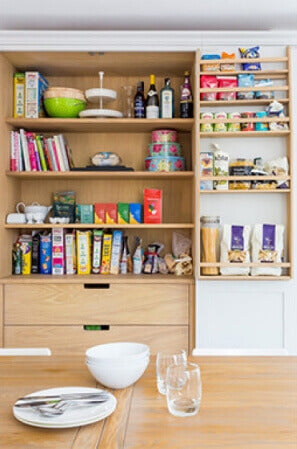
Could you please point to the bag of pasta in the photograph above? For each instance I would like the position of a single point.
(235, 248)
(267, 247)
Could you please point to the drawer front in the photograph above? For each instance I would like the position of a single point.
(75, 340)
(117, 304)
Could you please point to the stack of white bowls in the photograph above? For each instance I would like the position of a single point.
(118, 365)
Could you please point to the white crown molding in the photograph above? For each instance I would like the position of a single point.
(137, 40)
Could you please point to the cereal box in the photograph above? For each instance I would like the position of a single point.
(117, 237)
(58, 251)
(19, 95)
(46, 254)
(123, 213)
(70, 253)
(97, 247)
(36, 85)
(135, 213)
(111, 213)
(83, 244)
(106, 254)
(99, 213)
(152, 206)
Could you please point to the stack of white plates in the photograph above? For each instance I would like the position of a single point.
(74, 416)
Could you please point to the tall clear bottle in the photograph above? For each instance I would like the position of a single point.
(152, 101)
(167, 100)
(186, 98)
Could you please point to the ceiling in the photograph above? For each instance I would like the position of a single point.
(148, 15)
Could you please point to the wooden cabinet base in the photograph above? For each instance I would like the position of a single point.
(75, 340)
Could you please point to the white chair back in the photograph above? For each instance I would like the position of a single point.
(240, 352)
(25, 352)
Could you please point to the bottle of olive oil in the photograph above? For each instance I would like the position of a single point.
(152, 101)
(167, 100)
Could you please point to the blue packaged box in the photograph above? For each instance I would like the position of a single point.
(35, 87)
(135, 213)
(45, 254)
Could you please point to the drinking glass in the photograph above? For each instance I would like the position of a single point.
(162, 363)
(127, 101)
(184, 389)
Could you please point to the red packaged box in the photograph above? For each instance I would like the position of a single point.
(99, 213)
(111, 213)
(152, 207)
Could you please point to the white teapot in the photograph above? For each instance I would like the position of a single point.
(34, 212)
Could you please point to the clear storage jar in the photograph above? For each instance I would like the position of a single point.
(210, 242)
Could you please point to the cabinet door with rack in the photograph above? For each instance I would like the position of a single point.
(247, 199)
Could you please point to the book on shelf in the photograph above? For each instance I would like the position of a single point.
(33, 152)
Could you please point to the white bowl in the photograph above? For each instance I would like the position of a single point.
(118, 365)
(121, 351)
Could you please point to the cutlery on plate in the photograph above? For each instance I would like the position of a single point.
(66, 396)
(58, 401)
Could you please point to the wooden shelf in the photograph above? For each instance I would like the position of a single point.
(244, 61)
(96, 279)
(100, 175)
(258, 74)
(244, 278)
(245, 178)
(214, 134)
(107, 125)
(245, 191)
(272, 88)
(245, 120)
(245, 265)
(253, 102)
(101, 226)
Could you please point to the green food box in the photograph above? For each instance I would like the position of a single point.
(85, 213)
(123, 213)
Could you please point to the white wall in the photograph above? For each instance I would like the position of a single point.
(251, 314)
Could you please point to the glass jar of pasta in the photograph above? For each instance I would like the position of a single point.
(210, 241)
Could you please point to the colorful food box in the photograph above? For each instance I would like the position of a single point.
(58, 251)
(83, 244)
(111, 212)
(70, 253)
(84, 213)
(46, 254)
(135, 213)
(206, 169)
(117, 238)
(97, 247)
(19, 95)
(99, 213)
(123, 213)
(152, 206)
(106, 254)
(36, 85)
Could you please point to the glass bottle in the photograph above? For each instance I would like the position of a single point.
(167, 100)
(152, 101)
(186, 98)
(139, 101)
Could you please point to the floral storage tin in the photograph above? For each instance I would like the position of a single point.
(164, 164)
(164, 135)
(164, 149)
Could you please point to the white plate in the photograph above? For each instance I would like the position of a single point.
(100, 113)
(72, 417)
(107, 95)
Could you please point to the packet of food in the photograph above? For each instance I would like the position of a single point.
(227, 66)
(250, 53)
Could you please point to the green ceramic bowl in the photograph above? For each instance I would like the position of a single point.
(64, 107)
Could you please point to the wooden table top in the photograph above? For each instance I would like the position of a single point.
(247, 402)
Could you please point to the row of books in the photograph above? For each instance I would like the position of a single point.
(31, 152)
(28, 90)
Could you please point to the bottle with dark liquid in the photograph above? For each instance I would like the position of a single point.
(152, 101)
(139, 101)
(186, 98)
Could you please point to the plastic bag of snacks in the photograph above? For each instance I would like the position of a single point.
(261, 126)
(206, 127)
(233, 126)
(278, 167)
(267, 247)
(250, 53)
(220, 127)
(227, 81)
(248, 126)
(246, 80)
(211, 63)
(267, 94)
(227, 66)
(208, 81)
(220, 166)
(235, 248)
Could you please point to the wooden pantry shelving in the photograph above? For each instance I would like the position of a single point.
(278, 70)
(169, 298)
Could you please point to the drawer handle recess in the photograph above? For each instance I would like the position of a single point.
(96, 327)
(97, 286)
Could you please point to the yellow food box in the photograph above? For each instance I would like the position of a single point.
(19, 95)
(106, 254)
(83, 244)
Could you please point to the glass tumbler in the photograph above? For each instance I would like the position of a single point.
(163, 361)
(127, 101)
(184, 389)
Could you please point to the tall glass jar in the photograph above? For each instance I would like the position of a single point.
(210, 242)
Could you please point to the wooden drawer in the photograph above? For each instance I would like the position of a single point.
(75, 340)
(116, 304)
